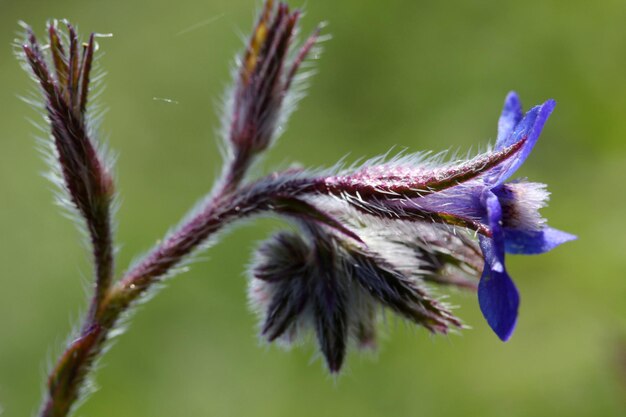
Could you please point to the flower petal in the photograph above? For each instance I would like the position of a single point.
(499, 300)
(493, 248)
(528, 129)
(533, 242)
(510, 117)
(497, 296)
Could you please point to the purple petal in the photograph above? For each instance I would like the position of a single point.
(528, 129)
(493, 249)
(499, 300)
(510, 117)
(497, 296)
(533, 242)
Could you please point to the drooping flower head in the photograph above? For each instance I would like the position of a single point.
(410, 223)
(475, 196)
(511, 213)
(320, 281)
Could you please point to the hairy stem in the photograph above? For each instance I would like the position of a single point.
(103, 253)
(231, 202)
(63, 72)
(69, 376)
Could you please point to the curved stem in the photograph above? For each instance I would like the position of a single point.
(67, 379)
(259, 95)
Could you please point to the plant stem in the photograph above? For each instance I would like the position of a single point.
(67, 380)
(231, 202)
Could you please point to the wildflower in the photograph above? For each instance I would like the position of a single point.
(511, 212)
(469, 195)
(373, 238)
(505, 215)
(379, 236)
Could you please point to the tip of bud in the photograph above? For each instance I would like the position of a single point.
(263, 80)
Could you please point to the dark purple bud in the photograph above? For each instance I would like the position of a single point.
(63, 71)
(281, 257)
(301, 279)
(84, 171)
(398, 292)
(264, 78)
(336, 287)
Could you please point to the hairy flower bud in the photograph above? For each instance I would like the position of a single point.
(79, 167)
(66, 90)
(336, 288)
(265, 75)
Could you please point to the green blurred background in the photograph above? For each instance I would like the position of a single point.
(414, 74)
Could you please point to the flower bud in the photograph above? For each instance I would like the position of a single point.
(264, 78)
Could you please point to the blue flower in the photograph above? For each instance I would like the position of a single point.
(472, 195)
(377, 237)
(511, 213)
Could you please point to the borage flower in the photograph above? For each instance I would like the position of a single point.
(412, 201)
(511, 212)
(506, 215)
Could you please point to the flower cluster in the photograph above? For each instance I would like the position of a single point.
(415, 223)
(472, 195)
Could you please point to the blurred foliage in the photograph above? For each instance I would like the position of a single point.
(414, 74)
